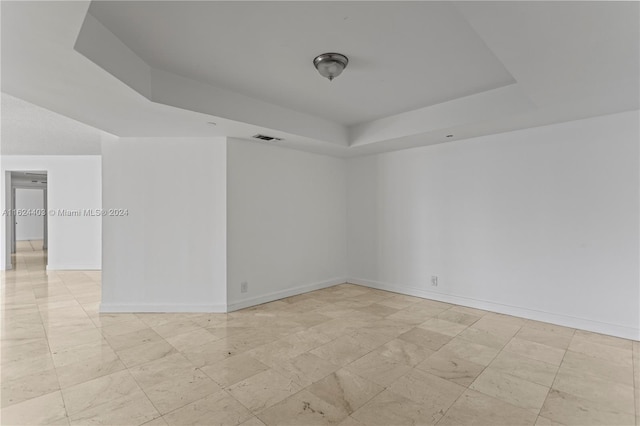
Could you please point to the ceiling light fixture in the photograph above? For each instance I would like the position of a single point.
(330, 65)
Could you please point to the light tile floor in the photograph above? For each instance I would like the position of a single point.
(344, 355)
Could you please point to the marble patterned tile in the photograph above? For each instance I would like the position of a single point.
(399, 301)
(404, 352)
(378, 368)
(460, 371)
(310, 319)
(172, 382)
(458, 316)
(460, 348)
(514, 390)
(505, 330)
(146, 352)
(350, 421)
(603, 339)
(506, 319)
(158, 421)
(88, 369)
(32, 349)
(442, 326)
(44, 410)
(131, 409)
(63, 341)
(569, 409)
(305, 369)
(303, 408)
(370, 338)
(191, 339)
(475, 408)
(425, 338)
(344, 325)
(219, 407)
(99, 348)
(22, 388)
(388, 408)
(543, 421)
(579, 364)
(172, 329)
(618, 396)
(378, 309)
(263, 390)
(312, 358)
(556, 337)
(469, 311)
(306, 340)
(345, 390)
(32, 365)
(388, 327)
(538, 351)
(253, 421)
(435, 394)
(234, 369)
(525, 368)
(103, 320)
(124, 327)
(288, 347)
(484, 337)
(341, 351)
(112, 399)
(595, 348)
(421, 311)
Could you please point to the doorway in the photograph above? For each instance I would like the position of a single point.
(28, 230)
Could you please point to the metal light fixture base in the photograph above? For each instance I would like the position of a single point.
(330, 65)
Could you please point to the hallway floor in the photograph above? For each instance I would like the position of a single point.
(345, 355)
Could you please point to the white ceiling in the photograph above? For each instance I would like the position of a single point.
(28, 129)
(403, 56)
(161, 68)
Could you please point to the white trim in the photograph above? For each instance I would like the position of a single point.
(617, 330)
(73, 268)
(160, 308)
(270, 297)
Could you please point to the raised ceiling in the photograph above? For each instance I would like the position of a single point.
(418, 72)
(402, 56)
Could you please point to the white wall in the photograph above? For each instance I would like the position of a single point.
(286, 222)
(73, 183)
(169, 253)
(29, 227)
(541, 223)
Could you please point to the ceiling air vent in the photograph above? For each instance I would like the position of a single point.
(266, 138)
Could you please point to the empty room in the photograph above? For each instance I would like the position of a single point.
(320, 212)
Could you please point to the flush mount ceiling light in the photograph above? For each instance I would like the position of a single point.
(330, 65)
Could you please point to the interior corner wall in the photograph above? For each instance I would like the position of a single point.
(167, 252)
(541, 223)
(286, 214)
(73, 184)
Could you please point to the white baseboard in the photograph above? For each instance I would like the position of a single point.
(564, 320)
(270, 297)
(73, 267)
(160, 308)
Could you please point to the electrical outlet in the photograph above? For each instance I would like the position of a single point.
(244, 287)
(434, 280)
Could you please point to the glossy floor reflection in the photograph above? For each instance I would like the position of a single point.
(344, 355)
